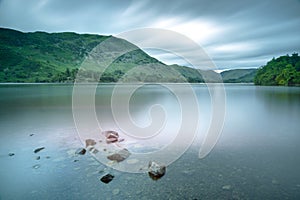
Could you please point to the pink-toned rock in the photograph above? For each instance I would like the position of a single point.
(111, 136)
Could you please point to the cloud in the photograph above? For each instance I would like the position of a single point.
(236, 34)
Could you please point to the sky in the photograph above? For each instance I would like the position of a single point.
(234, 33)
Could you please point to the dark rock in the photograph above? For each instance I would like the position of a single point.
(38, 149)
(90, 142)
(107, 178)
(11, 154)
(76, 160)
(38, 157)
(119, 156)
(156, 171)
(80, 151)
(111, 136)
(31, 134)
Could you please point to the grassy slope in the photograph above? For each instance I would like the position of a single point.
(55, 57)
(239, 75)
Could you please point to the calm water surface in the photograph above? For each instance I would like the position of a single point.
(257, 156)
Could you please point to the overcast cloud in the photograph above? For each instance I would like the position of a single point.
(234, 33)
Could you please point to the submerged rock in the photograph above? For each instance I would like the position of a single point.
(38, 149)
(93, 150)
(111, 136)
(115, 191)
(11, 154)
(119, 156)
(36, 166)
(80, 151)
(226, 187)
(38, 157)
(107, 178)
(90, 142)
(156, 171)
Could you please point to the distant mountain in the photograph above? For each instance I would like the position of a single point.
(284, 70)
(239, 75)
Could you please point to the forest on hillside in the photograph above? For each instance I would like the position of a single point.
(284, 70)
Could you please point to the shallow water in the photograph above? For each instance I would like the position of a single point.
(257, 156)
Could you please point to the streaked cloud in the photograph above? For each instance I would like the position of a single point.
(236, 34)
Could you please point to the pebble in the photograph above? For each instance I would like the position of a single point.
(38, 157)
(116, 191)
(11, 154)
(38, 149)
(36, 166)
(226, 187)
(132, 161)
(80, 151)
(107, 178)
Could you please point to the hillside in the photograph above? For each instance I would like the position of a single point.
(56, 57)
(239, 75)
(284, 70)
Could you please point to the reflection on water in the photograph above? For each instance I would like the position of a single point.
(257, 156)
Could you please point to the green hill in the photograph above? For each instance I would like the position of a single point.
(56, 57)
(284, 70)
(239, 75)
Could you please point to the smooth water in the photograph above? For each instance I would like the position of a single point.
(257, 156)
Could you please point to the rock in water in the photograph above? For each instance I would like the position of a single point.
(111, 136)
(107, 178)
(119, 156)
(226, 187)
(156, 171)
(80, 151)
(11, 154)
(90, 142)
(36, 166)
(38, 149)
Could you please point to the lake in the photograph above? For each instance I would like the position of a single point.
(256, 157)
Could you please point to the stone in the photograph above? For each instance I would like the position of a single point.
(80, 151)
(116, 191)
(93, 150)
(38, 149)
(132, 161)
(38, 157)
(226, 187)
(31, 134)
(76, 160)
(11, 154)
(111, 136)
(119, 156)
(156, 171)
(36, 166)
(107, 178)
(90, 142)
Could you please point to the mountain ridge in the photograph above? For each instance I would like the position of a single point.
(56, 57)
